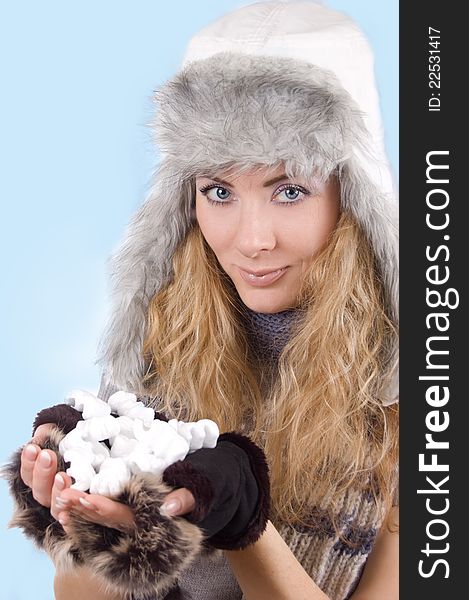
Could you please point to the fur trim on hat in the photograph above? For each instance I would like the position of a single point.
(240, 110)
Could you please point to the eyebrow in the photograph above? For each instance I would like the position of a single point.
(265, 184)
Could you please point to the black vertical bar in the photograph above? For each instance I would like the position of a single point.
(434, 257)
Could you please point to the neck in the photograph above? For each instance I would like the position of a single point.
(268, 333)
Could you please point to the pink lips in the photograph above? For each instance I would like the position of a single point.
(261, 278)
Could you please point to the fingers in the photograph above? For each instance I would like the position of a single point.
(61, 482)
(44, 471)
(107, 512)
(28, 460)
(98, 509)
(60, 509)
(178, 502)
(30, 452)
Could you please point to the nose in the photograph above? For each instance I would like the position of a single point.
(255, 232)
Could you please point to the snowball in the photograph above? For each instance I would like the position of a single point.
(112, 476)
(136, 442)
(95, 408)
(140, 411)
(120, 402)
(78, 399)
(143, 462)
(83, 473)
(212, 433)
(126, 426)
(74, 439)
(122, 446)
(101, 428)
(100, 453)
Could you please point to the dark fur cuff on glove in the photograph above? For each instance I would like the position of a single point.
(63, 415)
(142, 563)
(33, 518)
(66, 417)
(230, 485)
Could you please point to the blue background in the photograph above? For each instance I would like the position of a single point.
(75, 161)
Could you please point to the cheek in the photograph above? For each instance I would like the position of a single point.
(328, 214)
(213, 225)
(308, 233)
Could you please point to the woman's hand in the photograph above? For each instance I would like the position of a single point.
(39, 471)
(52, 490)
(94, 508)
(102, 510)
(177, 503)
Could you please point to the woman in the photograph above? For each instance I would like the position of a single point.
(257, 287)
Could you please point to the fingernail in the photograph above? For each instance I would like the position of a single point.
(168, 509)
(31, 452)
(59, 482)
(44, 459)
(85, 503)
(61, 503)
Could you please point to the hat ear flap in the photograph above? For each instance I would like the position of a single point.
(377, 216)
(140, 268)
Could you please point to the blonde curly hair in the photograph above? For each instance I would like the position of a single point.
(321, 422)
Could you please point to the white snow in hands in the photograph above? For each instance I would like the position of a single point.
(138, 442)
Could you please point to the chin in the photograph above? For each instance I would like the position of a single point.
(266, 305)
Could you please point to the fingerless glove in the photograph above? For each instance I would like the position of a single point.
(230, 485)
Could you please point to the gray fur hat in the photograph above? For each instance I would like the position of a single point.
(246, 104)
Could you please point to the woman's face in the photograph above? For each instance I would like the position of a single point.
(264, 229)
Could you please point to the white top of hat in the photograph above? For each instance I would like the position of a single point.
(315, 33)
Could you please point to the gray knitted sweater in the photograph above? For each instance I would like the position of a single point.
(334, 565)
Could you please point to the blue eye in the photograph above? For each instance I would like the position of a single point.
(290, 194)
(287, 194)
(215, 194)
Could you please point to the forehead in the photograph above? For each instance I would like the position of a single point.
(261, 175)
(235, 173)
